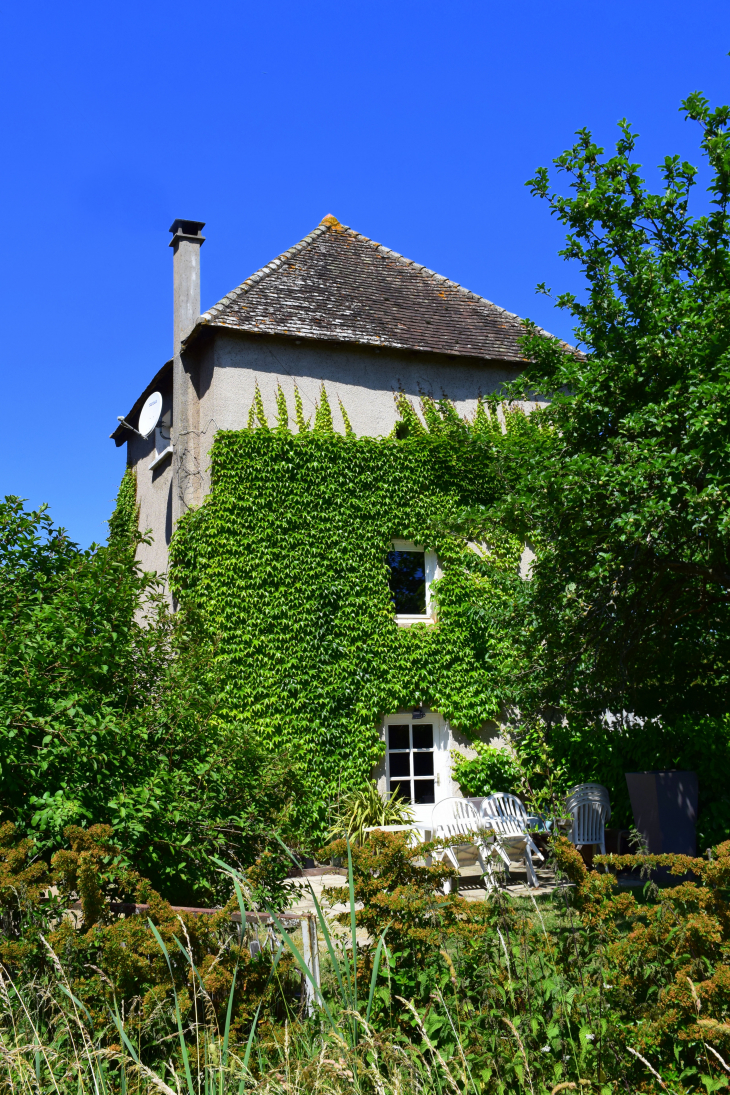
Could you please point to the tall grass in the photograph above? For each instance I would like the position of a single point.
(525, 1008)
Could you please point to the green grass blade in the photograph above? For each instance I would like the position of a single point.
(376, 967)
(353, 930)
(334, 958)
(249, 1042)
(183, 1047)
(227, 1028)
(303, 967)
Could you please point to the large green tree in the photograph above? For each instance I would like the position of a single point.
(623, 484)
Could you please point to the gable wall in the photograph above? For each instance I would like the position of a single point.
(154, 494)
(225, 369)
(364, 378)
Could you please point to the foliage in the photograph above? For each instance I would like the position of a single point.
(286, 563)
(124, 522)
(593, 989)
(668, 959)
(492, 769)
(107, 713)
(364, 807)
(603, 751)
(625, 491)
(111, 960)
(607, 972)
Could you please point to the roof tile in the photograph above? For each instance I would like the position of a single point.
(338, 285)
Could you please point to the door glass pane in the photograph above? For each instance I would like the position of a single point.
(422, 764)
(408, 582)
(400, 765)
(423, 790)
(423, 736)
(399, 737)
(403, 787)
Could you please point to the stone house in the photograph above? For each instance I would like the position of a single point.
(336, 310)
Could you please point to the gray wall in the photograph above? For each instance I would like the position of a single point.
(365, 379)
(154, 496)
(225, 369)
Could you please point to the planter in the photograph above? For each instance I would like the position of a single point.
(664, 805)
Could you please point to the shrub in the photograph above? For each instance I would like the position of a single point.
(492, 770)
(364, 807)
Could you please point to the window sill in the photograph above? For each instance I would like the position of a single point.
(160, 458)
(406, 621)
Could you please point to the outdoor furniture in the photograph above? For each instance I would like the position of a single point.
(597, 790)
(507, 816)
(453, 817)
(590, 808)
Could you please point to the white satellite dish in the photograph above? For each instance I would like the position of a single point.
(149, 416)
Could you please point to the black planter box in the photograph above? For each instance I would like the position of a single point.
(665, 810)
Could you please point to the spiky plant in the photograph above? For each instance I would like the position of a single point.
(365, 807)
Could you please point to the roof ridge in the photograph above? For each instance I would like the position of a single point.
(330, 223)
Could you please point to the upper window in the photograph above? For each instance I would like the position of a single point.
(412, 569)
(408, 582)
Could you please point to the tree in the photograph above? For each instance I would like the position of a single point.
(623, 481)
(109, 711)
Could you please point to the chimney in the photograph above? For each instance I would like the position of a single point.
(186, 243)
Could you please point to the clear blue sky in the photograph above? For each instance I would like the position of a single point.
(416, 123)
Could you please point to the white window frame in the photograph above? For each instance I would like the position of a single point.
(441, 759)
(433, 572)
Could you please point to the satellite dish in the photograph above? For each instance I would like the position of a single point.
(149, 416)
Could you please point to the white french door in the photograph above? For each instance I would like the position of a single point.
(417, 760)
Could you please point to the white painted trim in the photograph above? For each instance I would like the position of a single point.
(433, 573)
(406, 621)
(160, 457)
(441, 758)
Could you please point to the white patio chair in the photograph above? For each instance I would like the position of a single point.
(508, 817)
(593, 790)
(453, 817)
(590, 808)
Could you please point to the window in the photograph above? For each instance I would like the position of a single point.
(412, 569)
(408, 582)
(410, 761)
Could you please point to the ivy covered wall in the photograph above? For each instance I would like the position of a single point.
(286, 559)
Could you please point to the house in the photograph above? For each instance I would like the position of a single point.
(342, 313)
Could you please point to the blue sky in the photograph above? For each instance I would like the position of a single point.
(417, 123)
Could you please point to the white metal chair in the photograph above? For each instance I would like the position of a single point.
(589, 806)
(453, 817)
(508, 818)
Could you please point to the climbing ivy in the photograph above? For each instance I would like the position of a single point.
(123, 521)
(286, 561)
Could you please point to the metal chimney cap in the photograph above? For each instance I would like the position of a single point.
(189, 229)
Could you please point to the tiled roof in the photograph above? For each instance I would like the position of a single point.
(161, 379)
(340, 286)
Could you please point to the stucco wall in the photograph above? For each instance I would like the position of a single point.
(365, 379)
(225, 369)
(154, 496)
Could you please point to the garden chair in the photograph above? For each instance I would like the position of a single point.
(507, 817)
(453, 817)
(595, 790)
(589, 806)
